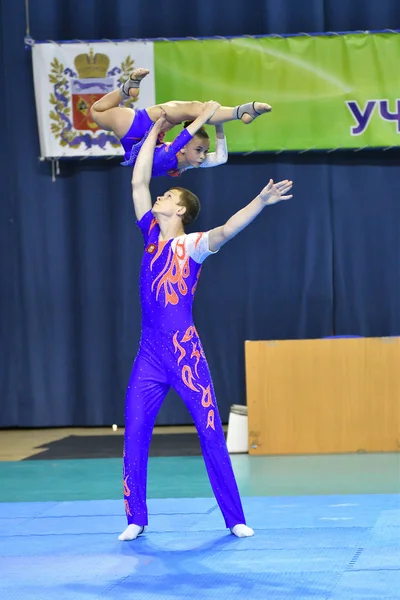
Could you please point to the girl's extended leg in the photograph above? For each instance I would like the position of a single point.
(107, 113)
(178, 111)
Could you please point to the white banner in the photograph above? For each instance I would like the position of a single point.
(69, 78)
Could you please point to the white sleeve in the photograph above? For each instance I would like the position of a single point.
(197, 246)
(219, 157)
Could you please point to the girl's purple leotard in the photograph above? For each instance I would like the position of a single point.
(165, 160)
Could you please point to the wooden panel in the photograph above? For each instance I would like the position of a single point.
(323, 396)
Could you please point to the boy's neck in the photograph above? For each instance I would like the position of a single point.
(170, 229)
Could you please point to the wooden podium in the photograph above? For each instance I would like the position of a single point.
(323, 396)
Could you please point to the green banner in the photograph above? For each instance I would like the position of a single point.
(326, 92)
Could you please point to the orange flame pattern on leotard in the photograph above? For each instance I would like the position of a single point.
(152, 225)
(206, 400)
(160, 248)
(187, 373)
(196, 282)
(177, 346)
(127, 509)
(187, 377)
(175, 271)
(189, 333)
(196, 354)
(210, 419)
(127, 491)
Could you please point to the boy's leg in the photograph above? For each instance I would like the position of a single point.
(193, 383)
(146, 391)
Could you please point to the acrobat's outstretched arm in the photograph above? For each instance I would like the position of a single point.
(271, 194)
(142, 171)
(220, 156)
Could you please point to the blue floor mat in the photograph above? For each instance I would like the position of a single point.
(316, 548)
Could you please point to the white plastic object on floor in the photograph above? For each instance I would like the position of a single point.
(237, 437)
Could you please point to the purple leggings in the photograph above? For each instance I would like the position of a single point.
(174, 359)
